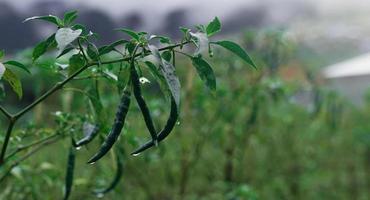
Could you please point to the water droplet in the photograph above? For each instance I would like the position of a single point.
(92, 163)
(136, 154)
(178, 123)
(78, 148)
(100, 195)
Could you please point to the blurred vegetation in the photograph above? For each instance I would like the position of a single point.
(253, 139)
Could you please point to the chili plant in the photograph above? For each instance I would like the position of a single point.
(78, 57)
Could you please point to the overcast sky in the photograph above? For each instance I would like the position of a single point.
(213, 7)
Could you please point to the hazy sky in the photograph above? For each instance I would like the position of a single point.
(213, 7)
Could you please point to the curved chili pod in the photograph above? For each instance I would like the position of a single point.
(117, 126)
(118, 176)
(88, 138)
(171, 122)
(141, 102)
(69, 173)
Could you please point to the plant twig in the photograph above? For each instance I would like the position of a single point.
(26, 156)
(5, 112)
(6, 141)
(27, 146)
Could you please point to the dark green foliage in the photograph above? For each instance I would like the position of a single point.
(92, 71)
(237, 50)
(205, 72)
(42, 47)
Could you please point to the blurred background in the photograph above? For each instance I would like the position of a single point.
(296, 128)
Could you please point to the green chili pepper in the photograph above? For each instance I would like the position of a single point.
(69, 174)
(141, 102)
(118, 176)
(171, 122)
(117, 126)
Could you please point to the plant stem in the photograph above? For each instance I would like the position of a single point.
(6, 141)
(27, 146)
(5, 112)
(35, 150)
(56, 87)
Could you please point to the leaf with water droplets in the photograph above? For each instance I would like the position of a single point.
(2, 70)
(65, 36)
(169, 73)
(202, 42)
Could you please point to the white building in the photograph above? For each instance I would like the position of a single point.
(351, 78)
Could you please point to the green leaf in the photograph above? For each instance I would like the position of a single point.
(167, 55)
(158, 76)
(201, 41)
(97, 106)
(65, 51)
(49, 18)
(201, 28)
(205, 72)
(236, 49)
(185, 30)
(162, 39)
(2, 70)
(17, 64)
(65, 36)
(168, 72)
(69, 17)
(213, 27)
(14, 82)
(75, 63)
(2, 53)
(42, 47)
(80, 27)
(106, 49)
(92, 52)
(131, 33)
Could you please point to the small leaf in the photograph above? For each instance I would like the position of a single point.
(42, 47)
(92, 52)
(162, 39)
(205, 72)
(131, 33)
(106, 49)
(202, 42)
(75, 63)
(237, 50)
(201, 28)
(97, 105)
(69, 17)
(14, 82)
(49, 18)
(65, 36)
(17, 64)
(65, 51)
(2, 70)
(167, 55)
(168, 71)
(80, 27)
(2, 53)
(213, 27)
(158, 76)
